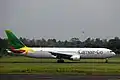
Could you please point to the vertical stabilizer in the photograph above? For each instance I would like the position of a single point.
(13, 40)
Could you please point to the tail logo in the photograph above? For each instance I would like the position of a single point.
(17, 45)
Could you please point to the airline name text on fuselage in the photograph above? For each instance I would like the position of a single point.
(90, 52)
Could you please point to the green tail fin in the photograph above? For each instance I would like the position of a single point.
(13, 40)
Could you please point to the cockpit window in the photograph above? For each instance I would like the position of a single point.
(111, 51)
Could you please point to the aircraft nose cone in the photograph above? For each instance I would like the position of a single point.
(113, 53)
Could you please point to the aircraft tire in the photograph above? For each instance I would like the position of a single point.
(106, 61)
(60, 61)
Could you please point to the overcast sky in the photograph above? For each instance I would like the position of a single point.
(61, 19)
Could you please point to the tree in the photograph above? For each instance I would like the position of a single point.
(75, 42)
(98, 43)
(51, 42)
(3, 47)
(88, 43)
(43, 43)
(114, 44)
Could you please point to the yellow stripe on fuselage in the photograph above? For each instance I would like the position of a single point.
(27, 49)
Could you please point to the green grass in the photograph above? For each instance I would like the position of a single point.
(24, 65)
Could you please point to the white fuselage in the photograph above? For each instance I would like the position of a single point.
(97, 53)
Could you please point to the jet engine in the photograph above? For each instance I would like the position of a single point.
(75, 57)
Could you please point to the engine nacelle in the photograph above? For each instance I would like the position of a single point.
(75, 57)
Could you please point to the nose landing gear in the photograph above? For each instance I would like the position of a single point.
(106, 60)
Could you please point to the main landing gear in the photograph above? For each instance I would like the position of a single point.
(60, 61)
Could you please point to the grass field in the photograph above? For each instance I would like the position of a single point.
(24, 65)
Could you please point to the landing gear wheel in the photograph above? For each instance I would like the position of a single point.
(60, 61)
(106, 60)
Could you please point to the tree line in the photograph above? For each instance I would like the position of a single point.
(113, 44)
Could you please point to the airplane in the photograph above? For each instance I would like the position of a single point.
(18, 47)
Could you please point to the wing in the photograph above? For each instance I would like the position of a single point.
(62, 55)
